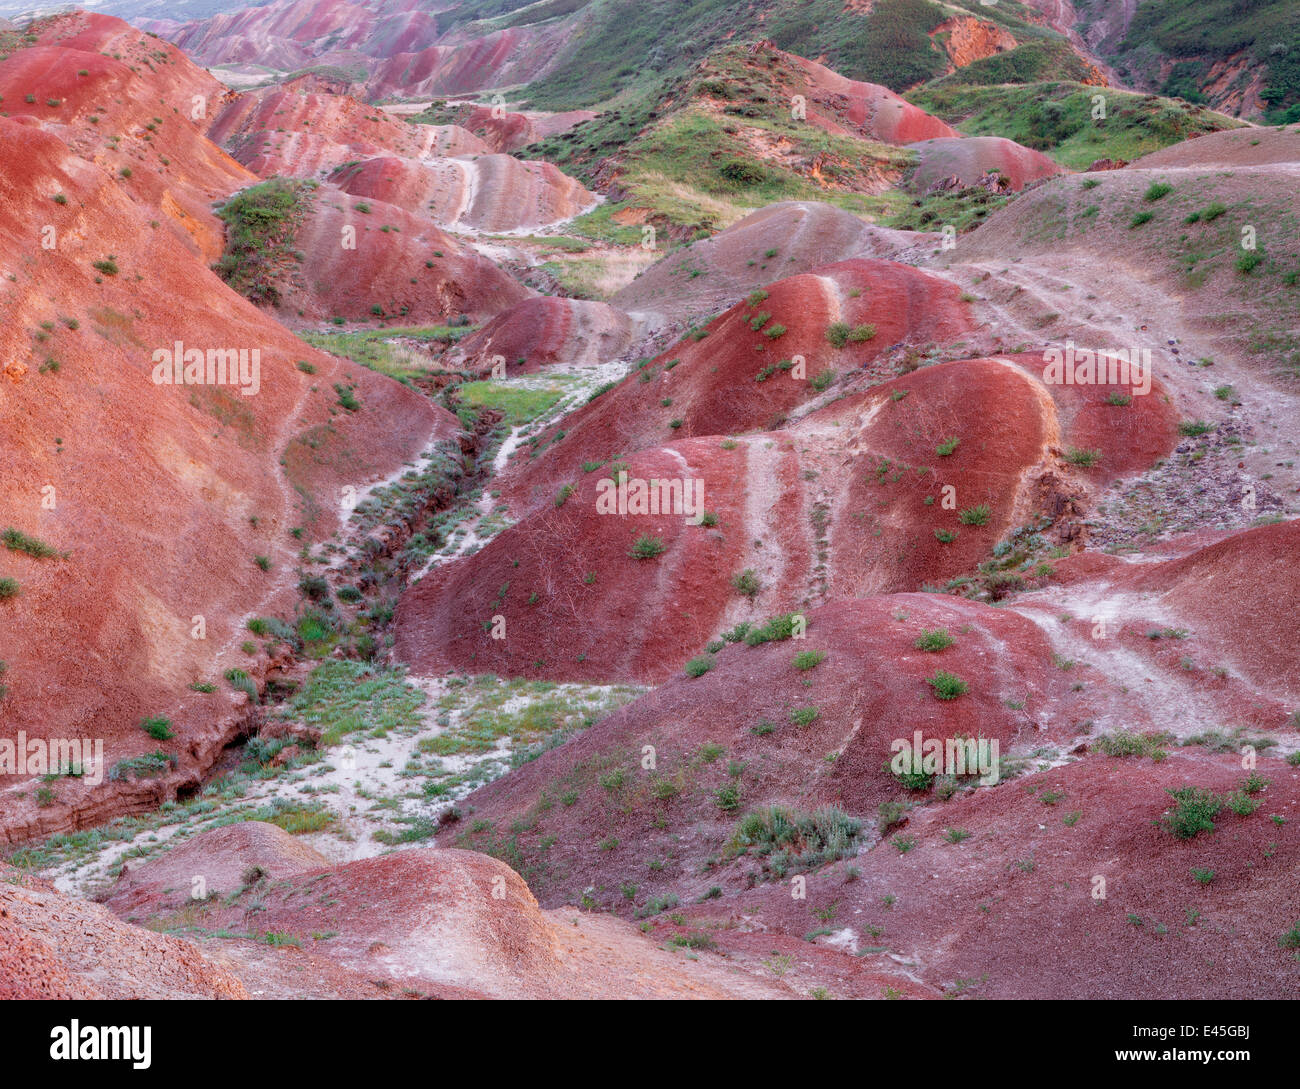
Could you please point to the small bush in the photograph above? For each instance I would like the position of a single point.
(646, 547)
(1193, 812)
(697, 667)
(975, 516)
(1156, 191)
(160, 729)
(808, 659)
(746, 582)
(1085, 459)
(1140, 218)
(947, 686)
(934, 640)
(947, 447)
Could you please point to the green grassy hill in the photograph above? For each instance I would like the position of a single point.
(1056, 118)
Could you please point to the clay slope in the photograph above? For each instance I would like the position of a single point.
(863, 496)
(53, 946)
(141, 116)
(507, 131)
(430, 170)
(282, 130)
(851, 107)
(399, 262)
(399, 45)
(805, 234)
(1013, 909)
(869, 688)
(953, 881)
(956, 163)
(496, 193)
(545, 332)
(452, 924)
(156, 499)
(728, 376)
(1231, 149)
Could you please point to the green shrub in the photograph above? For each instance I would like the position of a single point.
(160, 729)
(17, 541)
(947, 686)
(8, 588)
(947, 447)
(775, 629)
(746, 582)
(1193, 812)
(697, 667)
(975, 516)
(934, 640)
(646, 547)
(804, 716)
(1157, 190)
(807, 659)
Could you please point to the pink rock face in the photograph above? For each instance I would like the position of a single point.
(970, 158)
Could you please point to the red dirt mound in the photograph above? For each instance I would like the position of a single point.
(505, 131)
(737, 730)
(1261, 146)
(544, 332)
(1234, 592)
(131, 117)
(224, 860)
(731, 380)
(910, 483)
(445, 923)
(53, 946)
(400, 262)
(304, 135)
(805, 234)
(1017, 907)
(849, 106)
(486, 192)
(957, 163)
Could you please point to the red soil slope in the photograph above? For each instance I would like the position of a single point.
(392, 39)
(848, 501)
(484, 192)
(503, 130)
(429, 170)
(452, 924)
(869, 690)
(805, 234)
(278, 131)
(160, 495)
(54, 946)
(712, 382)
(968, 159)
(1013, 910)
(1230, 149)
(400, 262)
(849, 106)
(543, 332)
(142, 127)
